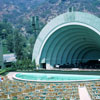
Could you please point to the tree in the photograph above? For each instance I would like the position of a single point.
(34, 63)
(10, 43)
(5, 28)
(31, 46)
(19, 45)
(53, 1)
(6, 31)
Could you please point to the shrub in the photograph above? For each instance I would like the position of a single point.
(2, 71)
(34, 63)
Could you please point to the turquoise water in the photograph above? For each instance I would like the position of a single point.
(55, 77)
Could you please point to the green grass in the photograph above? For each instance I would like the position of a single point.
(6, 70)
(62, 72)
(69, 72)
(5, 51)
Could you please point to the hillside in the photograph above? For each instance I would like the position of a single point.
(15, 20)
(19, 12)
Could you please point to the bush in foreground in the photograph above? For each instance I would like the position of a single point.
(2, 71)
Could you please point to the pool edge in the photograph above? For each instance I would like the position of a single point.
(44, 81)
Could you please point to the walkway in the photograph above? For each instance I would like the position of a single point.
(83, 93)
(11, 74)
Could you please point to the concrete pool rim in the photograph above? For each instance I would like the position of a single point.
(45, 81)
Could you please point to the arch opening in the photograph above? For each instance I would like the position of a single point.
(69, 43)
(62, 46)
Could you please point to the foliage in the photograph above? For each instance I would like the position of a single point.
(19, 13)
(19, 45)
(2, 71)
(25, 65)
(31, 45)
(5, 29)
(34, 63)
(6, 35)
(10, 43)
(15, 42)
(53, 1)
(28, 26)
(64, 0)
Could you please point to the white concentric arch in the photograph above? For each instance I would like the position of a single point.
(60, 26)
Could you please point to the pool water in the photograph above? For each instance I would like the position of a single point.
(54, 77)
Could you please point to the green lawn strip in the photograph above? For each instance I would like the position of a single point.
(6, 70)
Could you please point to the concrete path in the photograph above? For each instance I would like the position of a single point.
(11, 74)
(83, 93)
